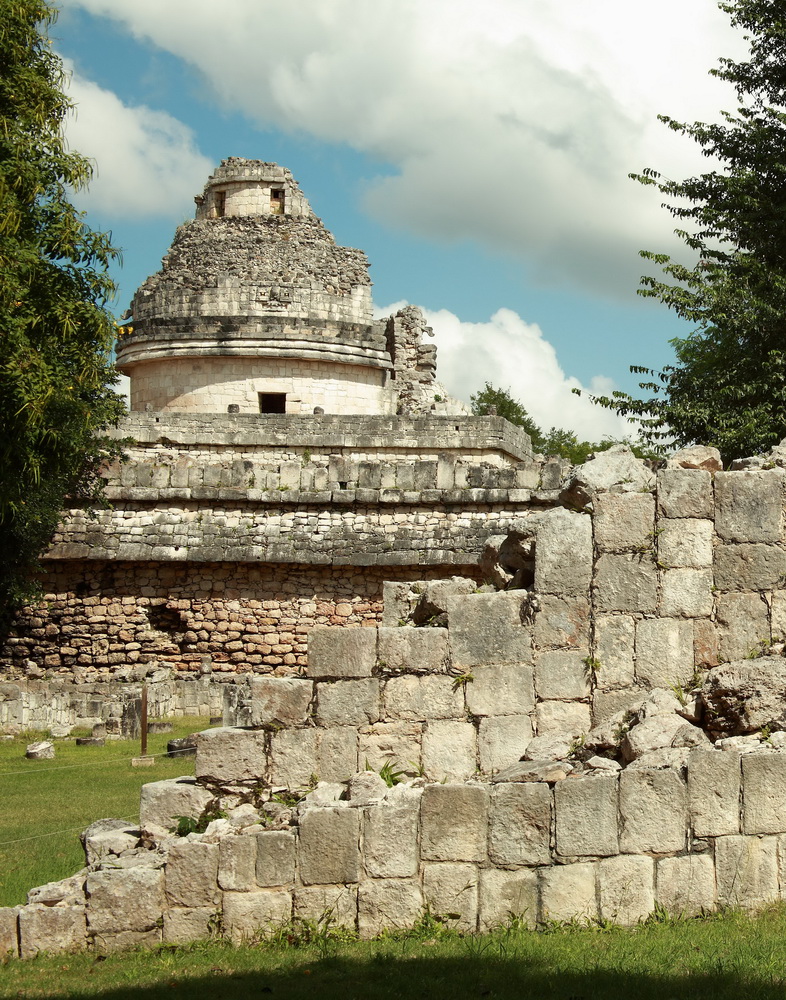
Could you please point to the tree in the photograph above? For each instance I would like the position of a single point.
(728, 385)
(504, 405)
(56, 331)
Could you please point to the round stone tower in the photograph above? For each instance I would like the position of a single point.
(255, 309)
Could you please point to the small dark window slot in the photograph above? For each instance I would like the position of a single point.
(277, 201)
(342, 486)
(221, 202)
(272, 402)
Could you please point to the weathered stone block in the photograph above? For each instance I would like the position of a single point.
(9, 931)
(685, 542)
(779, 614)
(749, 566)
(285, 700)
(249, 915)
(505, 689)
(563, 554)
(338, 752)
(388, 904)
(451, 888)
(624, 521)
(705, 643)
(339, 903)
(275, 858)
(504, 895)
(626, 582)
(162, 802)
(520, 824)
(586, 810)
(419, 698)
(183, 925)
(237, 863)
(567, 892)
(413, 650)
(329, 849)
(614, 644)
(626, 888)
(685, 887)
(743, 623)
(130, 899)
(685, 493)
(192, 874)
(348, 703)
(605, 704)
(450, 750)
(229, 755)
(764, 792)
(341, 652)
(653, 811)
(454, 823)
(687, 593)
(51, 929)
(502, 740)
(296, 755)
(664, 651)
(561, 621)
(109, 942)
(395, 743)
(390, 840)
(487, 629)
(746, 695)
(570, 718)
(561, 674)
(748, 505)
(746, 870)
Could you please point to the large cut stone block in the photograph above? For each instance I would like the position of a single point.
(395, 743)
(561, 621)
(454, 821)
(162, 802)
(390, 840)
(9, 931)
(505, 689)
(563, 554)
(685, 542)
(624, 521)
(52, 929)
(685, 493)
(192, 874)
(320, 903)
(743, 623)
(297, 755)
(748, 505)
(505, 895)
(764, 792)
(749, 566)
(664, 651)
(285, 700)
(275, 860)
(488, 628)
(450, 750)
(248, 916)
(228, 755)
(569, 718)
(626, 582)
(779, 614)
(329, 848)
(184, 924)
(129, 899)
(714, 792)
(567, 892)
(687, 592)
(626, 887)
(341, 652)
(685, 887)
(614, 644)
(419, 698)
(653, 811)
(520, 826)
(562, 674)
(237, 863)
(502, 740)
(413, 650)
(586, 810)
(388, 904)
(348, 703)
(451, 889)
(746, 870)
(109, 942)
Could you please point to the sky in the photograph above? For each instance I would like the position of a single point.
(478, 153)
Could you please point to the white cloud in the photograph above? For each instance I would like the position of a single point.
(514, 122)
(146, 162)
(513, 355)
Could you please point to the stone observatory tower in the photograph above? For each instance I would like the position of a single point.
(256, 309)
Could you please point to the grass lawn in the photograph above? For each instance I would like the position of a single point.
(730, 957)
(46, 803)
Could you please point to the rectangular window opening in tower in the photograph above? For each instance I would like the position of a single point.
(277, 201)
(221, 203)
(272, 402)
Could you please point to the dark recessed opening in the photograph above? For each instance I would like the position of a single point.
(272, 402)
(277, 201)
(342, 486)
(221, 202)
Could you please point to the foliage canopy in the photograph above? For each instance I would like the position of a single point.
(728, 385)
(56, 332)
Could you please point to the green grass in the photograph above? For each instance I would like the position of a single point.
(46, 803)
(730, 957)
